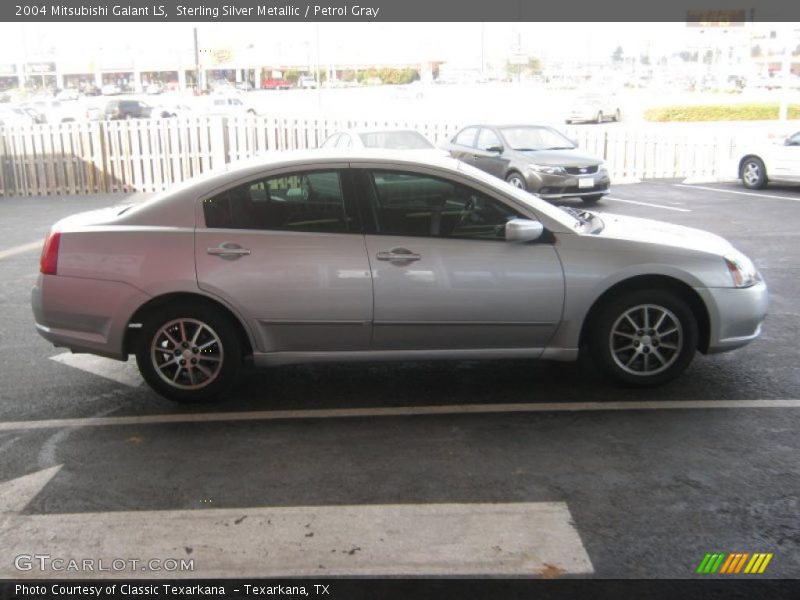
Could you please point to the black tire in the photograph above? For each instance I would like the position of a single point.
(225, 353)
(593, 199)
(517, 180)
(645, 350)
(599, 118)
(568, 121)
(753, 173)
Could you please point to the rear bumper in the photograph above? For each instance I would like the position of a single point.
(735, 315)
(85, 315)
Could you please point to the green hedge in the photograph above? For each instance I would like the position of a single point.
(720, 112)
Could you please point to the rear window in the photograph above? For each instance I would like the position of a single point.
(310, 201)
(396, 140)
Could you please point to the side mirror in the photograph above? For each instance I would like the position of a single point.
(523, 230)
(495, 149)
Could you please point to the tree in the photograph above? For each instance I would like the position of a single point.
(617, 55)
(645, 60)
(531, 68)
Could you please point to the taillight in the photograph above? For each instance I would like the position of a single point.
(49, 261)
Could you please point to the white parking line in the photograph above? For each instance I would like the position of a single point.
(125, 373)
(20, 249)
(676, 209)
(399, 411)
(512, 538)
(756, 194)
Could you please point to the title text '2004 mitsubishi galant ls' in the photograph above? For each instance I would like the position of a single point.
(380, 256)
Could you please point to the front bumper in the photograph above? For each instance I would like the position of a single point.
(553, 187)
(735, 315)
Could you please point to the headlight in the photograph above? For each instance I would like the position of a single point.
(742, 270)
(548, 169)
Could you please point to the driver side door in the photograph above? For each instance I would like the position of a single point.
(444, 277)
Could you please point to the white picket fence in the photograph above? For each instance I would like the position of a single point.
(152, 155)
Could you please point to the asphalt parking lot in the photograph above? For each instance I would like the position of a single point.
(522, 469)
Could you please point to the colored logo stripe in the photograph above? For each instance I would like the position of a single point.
(758, 563)
(734, 563)
(711, 563)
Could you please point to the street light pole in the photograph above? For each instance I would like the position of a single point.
(196, 64)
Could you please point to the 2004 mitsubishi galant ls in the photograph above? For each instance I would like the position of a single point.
(378, 256)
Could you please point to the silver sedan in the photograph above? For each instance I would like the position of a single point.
(324, 256)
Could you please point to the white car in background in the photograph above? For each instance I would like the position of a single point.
(594, 108)
(777, 162)
(228, 106)
(56, 111)
(168, 110)
(14, 115)
(68, 95)
(307, 82)
(390, 139)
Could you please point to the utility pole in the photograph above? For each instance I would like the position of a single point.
(786, 69)
(196, 64)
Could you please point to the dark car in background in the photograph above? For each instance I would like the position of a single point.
(536, 158)
(127, 109)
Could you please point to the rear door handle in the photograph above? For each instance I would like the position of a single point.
(228, 251)
(400, 255)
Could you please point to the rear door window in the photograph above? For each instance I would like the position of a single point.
(311, 201)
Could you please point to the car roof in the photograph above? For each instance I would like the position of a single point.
(328, 155)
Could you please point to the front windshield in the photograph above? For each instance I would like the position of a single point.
(396, 140)
(536, 138)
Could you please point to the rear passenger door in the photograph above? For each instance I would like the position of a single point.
(287, 251)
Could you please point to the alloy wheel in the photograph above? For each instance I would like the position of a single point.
(646, 339)
(752, 173)
(187, 354)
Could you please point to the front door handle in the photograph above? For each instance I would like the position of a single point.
(228, 251)
(399, 255)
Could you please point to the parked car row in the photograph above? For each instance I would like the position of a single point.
(533, 158)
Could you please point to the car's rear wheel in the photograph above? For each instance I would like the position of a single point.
(593, 199)
(754, 173)
(188, 353)
(517, 180)
(644, 338)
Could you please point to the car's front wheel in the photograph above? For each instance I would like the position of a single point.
(644, 338)
(188, 353)
(754, 173)
(517, 180)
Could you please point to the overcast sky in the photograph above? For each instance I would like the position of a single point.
(352, 42)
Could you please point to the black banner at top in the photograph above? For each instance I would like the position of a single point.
(710, 13)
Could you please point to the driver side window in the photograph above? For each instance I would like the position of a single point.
(413, 204)
(306, 201)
